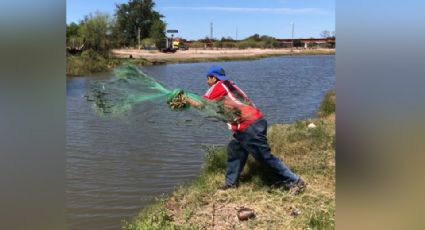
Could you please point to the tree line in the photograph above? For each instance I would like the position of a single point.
(253, 41)
(132, 22)
(137, 23)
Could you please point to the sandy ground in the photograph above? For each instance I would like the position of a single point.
(213, 54)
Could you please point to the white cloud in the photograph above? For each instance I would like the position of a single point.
(252, 10)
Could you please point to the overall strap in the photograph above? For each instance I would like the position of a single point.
(237, 93)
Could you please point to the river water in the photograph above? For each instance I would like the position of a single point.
(116, 166)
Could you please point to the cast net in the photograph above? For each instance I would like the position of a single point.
(130, 86)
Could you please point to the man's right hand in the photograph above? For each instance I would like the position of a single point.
(177, 100)
(194, 103)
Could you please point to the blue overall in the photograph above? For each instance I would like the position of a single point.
(254, 140)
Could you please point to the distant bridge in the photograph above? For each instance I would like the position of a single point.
(308, 42)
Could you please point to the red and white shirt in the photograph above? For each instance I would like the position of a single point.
(233, 97)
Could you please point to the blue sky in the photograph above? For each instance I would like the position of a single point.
(193, 17)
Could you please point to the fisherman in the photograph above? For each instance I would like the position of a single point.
(249, 132)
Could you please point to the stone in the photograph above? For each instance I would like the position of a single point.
(245, 214)
(311, 126)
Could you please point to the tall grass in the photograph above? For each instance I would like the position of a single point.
(328, 104)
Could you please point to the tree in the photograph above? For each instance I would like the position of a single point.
(325, 34)
(72, 30)
(227, 39)
(73, 36)
(95, 31)
(134, 16)
(157, 33)
(269, 42)
(255, 37)
(118, 39)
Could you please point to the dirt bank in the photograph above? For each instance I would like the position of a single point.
(86, 64)
(194, 55)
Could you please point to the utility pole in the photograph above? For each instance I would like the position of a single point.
(211, 30)
(138, 36)
(292, 43)
(236, 33)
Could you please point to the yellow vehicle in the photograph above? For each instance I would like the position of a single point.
(175, 44)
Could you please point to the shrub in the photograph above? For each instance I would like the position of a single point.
(88, 62)
(247, 44)
(216, 159)
(197, 45)
(148, 43)
(328, 104)
(229, 44)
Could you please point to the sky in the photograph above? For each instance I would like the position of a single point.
(230, 18)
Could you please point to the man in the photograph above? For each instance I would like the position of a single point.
(250, 131)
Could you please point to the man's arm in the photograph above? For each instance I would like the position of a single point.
(213, 94)
(194, 103)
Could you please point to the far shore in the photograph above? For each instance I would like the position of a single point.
(201, 55)
(80, 65)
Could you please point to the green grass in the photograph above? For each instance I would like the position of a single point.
(155, 217)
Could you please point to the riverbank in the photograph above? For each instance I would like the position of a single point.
(201, 55)
(86, 65)
(92, 63)
(310, 152)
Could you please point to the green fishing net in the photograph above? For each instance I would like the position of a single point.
(130, 86)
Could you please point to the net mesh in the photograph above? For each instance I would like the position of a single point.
(131, 86)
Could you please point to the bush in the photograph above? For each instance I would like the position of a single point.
(95, 31)
(229, 44)
(328, 104)
(88, 62)
(216, 159)
(197, 45)
(247, 44)
(148, 43)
